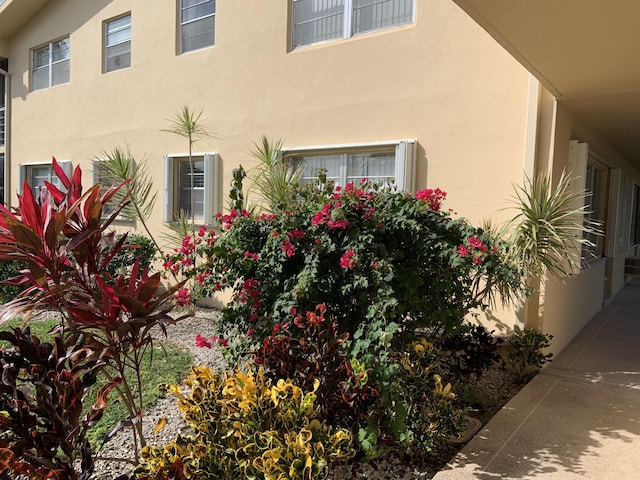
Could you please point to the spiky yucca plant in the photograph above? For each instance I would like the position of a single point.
(275, 181)
(547, 234)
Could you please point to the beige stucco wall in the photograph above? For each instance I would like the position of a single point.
(441, 80)
(566, 305)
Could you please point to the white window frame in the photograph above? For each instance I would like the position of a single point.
(26, 174)
(348, 27)
(50, 63)
(182, 24)
(107, 45)
(404, 157)
(171, 186)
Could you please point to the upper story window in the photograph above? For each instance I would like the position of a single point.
(390, 163)
(321, 20)
(197, 24)
(50, 64)
(117, 43)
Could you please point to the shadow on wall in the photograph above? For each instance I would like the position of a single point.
(71, 15)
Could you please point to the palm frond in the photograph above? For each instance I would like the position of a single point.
(548, 232)
(275, 181)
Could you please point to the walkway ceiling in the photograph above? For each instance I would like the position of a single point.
(584, 51)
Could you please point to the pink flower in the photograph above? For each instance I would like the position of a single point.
(295, 234)
(347, 260)
(250, 333)
(202, 342)
(220, 341)
(183, 297)
(279, 326)
(293, 310)
(202, 231)
(201, 277)
(337, 224)
(463, 251)
(477, 259)
(288, 248)
(434, 197)
(253, 256)
(369, 213)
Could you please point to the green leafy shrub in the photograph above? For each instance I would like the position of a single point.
(525, 355)
(246, 426)
(9, 269)
(313, 359)
(428, 414)
(471, 353)
(42, 388)
(136, 247)
(386, 264)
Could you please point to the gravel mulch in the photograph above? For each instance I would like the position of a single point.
(494, 389)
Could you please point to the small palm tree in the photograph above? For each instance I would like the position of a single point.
(186, 123)
(120, 164)
(276, 182)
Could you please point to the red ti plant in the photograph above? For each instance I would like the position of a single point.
(62, 235)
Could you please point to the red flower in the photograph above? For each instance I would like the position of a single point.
(202, 342)
(183, 297)
(202, 231)
(288, 248)
(347, 260)
(434, 197)
(295, 234)
(337, 224)
(462, 251)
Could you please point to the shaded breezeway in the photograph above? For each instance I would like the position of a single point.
(579, 418)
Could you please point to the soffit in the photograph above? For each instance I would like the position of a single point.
(584, 51)
(15, 13)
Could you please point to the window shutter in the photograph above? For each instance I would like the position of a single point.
(168, 190)
(211, 207)
(22, 177)
(67, 166)
(405, 154)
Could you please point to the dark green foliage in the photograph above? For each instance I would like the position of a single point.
(470, 353)
(136, 247)
(525, 353)
(8, 270)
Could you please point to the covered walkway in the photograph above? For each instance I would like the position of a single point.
(579, 418)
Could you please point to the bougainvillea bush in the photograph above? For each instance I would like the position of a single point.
(387, 265)
(381, 261)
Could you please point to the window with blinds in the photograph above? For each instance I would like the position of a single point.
(117, 43)
(316, 21)
(197, 24)
(390, 164)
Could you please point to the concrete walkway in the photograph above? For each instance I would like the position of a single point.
(579, 418)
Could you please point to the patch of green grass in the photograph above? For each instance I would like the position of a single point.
(39, 328)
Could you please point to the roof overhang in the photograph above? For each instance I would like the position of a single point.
(584, 51)
(15, 13)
